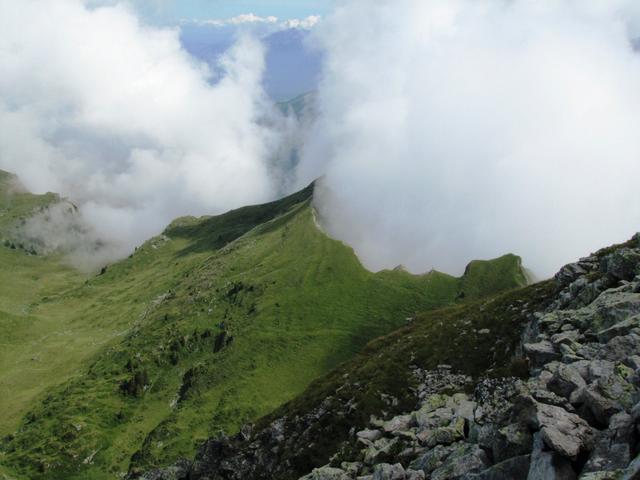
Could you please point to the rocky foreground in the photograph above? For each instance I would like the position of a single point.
(573, 414)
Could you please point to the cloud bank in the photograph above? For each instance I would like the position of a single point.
(446, 130)
(456, 129)
(116, 115)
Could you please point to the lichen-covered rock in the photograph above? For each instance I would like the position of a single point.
(621, 328)
(415, 475)
(443, 435)
(386, 471)
(327, 473)
(174, 472)
(463, 460)
(621, 264)
(462, 407)
(433, 418)
(400, 422)
(369, 435)
(511, 441)
(381, 450)
(516, 468)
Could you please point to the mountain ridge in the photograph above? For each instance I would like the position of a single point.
(442, 398)
(221, 318)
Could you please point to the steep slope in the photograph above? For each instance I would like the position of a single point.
(541, 382)
(28, 337)
(212, 324)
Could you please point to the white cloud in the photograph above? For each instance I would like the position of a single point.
(454, 129)
(304, 23)
(117, 116)
(250, 19)
(447, 130)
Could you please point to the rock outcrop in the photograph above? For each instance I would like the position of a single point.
(574, 415)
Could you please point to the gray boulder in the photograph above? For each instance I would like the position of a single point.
(621, 428)
(622, 264)
(369, 435)
(632, 472)
(327, 473)
(621, 328)
(603, 475)
(381, 450)
(174, 472)
(541, 353)
(415, 475)
(432, 459)
(611, 307)
(564, 432)
(483, 434)
(600, 407)
(633, 362)
(516, 468)
(443, 435)
(464, 460)
(620, 348)
(548, 465)
(386, 471)
(511, 441)
(565, 380)
(425, 418)
(600, 369)
(570, 272)
(398, 423)
(607, 456)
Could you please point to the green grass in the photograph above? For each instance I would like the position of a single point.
(483, 278)
(476, 338)
(295, 302)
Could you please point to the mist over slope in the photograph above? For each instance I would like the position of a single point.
(446, 130)
(450, 130)
(115, 115)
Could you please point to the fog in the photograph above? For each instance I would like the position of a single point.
(117, 116)
(445, 130)
(454, 130)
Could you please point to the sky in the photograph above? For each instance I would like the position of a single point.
(209, 28)
(173, 11)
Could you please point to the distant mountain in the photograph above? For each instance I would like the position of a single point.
(213, 324)
(291, 66)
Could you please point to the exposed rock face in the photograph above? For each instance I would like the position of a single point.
(576, 415)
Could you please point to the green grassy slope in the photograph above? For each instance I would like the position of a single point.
(478, 339)
(482, 278)
(213, 324)
(29, 340)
